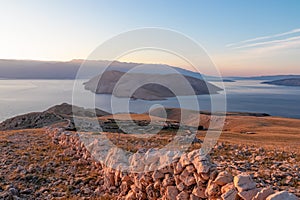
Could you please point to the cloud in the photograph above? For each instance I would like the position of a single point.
(268, 43)
(264, 38)
(272, 42)
(272, 48)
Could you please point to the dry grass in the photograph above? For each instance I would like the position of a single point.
(268, 132)
(34, 149)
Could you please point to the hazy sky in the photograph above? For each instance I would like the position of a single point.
(242, 37)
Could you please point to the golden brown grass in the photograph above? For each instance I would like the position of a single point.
(268, 132)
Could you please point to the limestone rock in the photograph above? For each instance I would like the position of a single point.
(284, 195)
(178, 168)
(151, 193)
(157, 175)
(180, 186)
(244, 182)
(248, 194)
(171, 193)
(202, 164)
(130, 196)
(190, 168)
(199, 192)
(231, 194)
(227, 187)
(212, 190)
(183, 196)
(193, 197)
(223, 178)
(264, 193)
(168, 180)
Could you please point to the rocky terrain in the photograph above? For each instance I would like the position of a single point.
(121, 84)
(55, 114)
(251, 160)
(51, 163)
(285, 82)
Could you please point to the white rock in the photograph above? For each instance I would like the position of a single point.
(223, 178)
(284, 195)
(199, 192)
(264, 193)
(157, 175)
(244, 182)
(249, 194)
(202, 164)
(212, 190)
(230, 195)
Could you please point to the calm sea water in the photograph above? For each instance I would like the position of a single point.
(23, 96)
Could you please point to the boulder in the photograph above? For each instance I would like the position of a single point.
(183, 196)
(130, 196)
(231, 194)
(168, 180)
(202, 164)
(157, 175)
(264, 193)
(284, 195)
(193, 197)
(180, 186)
(150, 191)
(199, 192)
(244, 182)
(248, 194)
(171, 193)
(227, 187)
(187, 178)
(223, 178)
(212, 190)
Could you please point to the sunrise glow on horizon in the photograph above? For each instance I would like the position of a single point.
(241, 38)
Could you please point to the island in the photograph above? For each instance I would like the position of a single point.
(114, 82)
(285, 82)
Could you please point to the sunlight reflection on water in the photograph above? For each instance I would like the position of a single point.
(22, 96)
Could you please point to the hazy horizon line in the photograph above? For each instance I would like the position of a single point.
(82, 60)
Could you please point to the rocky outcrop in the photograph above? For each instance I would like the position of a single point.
(30, 120)
(188, 176)
(59, 113)
(65, 109)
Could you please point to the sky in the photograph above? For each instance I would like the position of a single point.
(257, 37)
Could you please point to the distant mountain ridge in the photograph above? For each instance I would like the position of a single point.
(32, 69)
(271, 77)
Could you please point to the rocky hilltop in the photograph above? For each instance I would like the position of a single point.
(285, 82)
(52, 163)
(120, 84)
(59, 113)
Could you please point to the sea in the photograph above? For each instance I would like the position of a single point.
(24, 96)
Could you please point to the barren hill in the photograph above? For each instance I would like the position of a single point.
(55, 114)
(52, 162)
(122, 84)
(285, 82)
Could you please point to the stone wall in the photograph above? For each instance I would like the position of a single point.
(189, 177)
